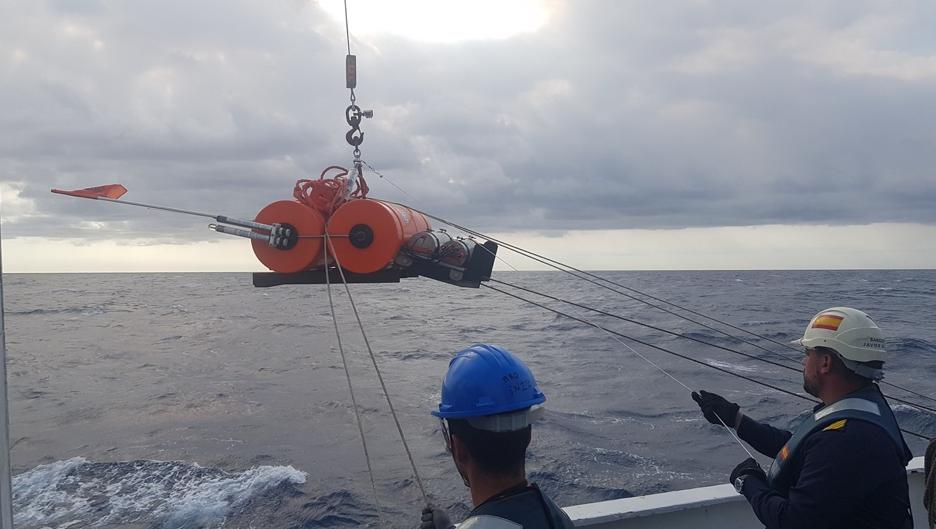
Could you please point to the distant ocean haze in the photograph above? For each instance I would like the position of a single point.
(236, 395)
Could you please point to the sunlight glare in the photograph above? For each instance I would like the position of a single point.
(441, 21)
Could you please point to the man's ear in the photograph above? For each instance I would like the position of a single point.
(826, 363)
(460, 451)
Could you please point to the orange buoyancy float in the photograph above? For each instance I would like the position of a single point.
(306, 251)
(367, 234)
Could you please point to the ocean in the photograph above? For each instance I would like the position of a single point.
(196, 400)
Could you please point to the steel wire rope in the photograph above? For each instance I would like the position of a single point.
(895, 386)
(631, 349)
(584, 276)
(499, 258)
(346, 27)
(674, 353)
(543, 260)
(383, 385)
(670, 375)
(344, 363)
(558, 266)
(643, 324)
(680, 335)
(382, 177)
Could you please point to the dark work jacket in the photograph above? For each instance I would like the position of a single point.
(851, 477)
(525, 505)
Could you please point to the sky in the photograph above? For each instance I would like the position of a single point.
(606, 134)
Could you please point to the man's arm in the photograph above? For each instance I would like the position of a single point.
(764, 438)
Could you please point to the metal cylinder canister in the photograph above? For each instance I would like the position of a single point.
(367, 234)
(306, 253)
(457, 252)
(426, 244)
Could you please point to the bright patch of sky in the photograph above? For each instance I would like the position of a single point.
(441, 22)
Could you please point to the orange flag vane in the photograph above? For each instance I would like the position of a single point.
(112, 192)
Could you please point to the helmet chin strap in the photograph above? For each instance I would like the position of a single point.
(449, 447)
(462, 473)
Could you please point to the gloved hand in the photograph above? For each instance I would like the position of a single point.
(748, 467)
(711, 403)
(435, 518)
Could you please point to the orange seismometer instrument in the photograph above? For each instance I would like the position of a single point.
(331, 223)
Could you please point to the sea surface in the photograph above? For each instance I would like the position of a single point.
(196, 400)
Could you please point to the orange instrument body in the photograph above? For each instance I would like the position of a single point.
(306, 252)
(366, 235)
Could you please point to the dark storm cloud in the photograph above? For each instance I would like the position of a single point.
(613, 115)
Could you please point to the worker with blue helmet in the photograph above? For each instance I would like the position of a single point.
(489, 401)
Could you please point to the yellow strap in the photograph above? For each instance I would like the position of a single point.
(837, 425)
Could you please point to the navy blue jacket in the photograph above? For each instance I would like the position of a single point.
(850, 477)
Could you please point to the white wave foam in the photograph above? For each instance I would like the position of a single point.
(905, 408)
(731, 367)
(152, 491)
(41, 494)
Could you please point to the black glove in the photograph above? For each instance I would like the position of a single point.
(748, 467)
(712, 404)
(435, 518)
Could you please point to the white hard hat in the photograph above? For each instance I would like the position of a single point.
(851, 334)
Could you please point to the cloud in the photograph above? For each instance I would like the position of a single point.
(602, 115)
(14, 207)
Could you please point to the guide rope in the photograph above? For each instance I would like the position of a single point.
(680, 335)
(499, 258)
(668, 351)
(586, 276)
(383, 177)
(383, 385)
(347, 371)
(661, 370)
(643, 324)
(667, 373)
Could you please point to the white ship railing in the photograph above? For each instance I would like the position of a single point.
(716, 507)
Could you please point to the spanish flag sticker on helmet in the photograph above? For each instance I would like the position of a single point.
(827, 321)
(784, 453)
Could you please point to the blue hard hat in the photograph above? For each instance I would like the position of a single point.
(486, 380)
